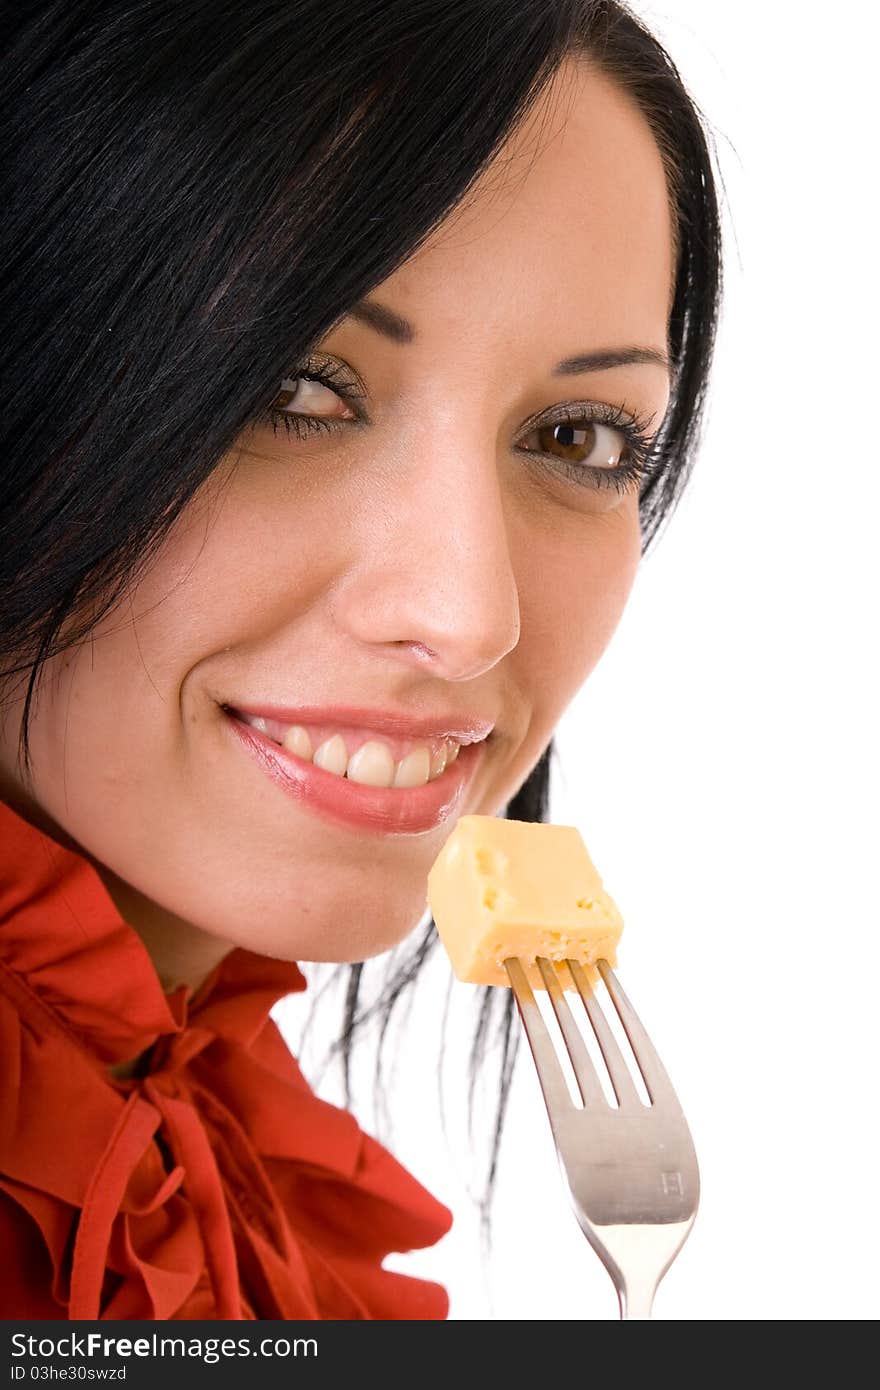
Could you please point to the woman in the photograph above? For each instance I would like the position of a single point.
(353, 354)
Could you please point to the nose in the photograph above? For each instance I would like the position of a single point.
(433, 583)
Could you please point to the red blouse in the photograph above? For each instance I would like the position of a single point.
(218, 1185)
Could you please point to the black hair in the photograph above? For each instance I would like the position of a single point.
(193, 195)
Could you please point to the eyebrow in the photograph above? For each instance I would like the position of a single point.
(400, 330)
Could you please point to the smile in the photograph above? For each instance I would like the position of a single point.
(360, 755)
(397, 779)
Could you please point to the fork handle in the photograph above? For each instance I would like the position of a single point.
(636, 1300)
(637, 1257)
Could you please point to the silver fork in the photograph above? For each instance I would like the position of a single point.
(631, 1171)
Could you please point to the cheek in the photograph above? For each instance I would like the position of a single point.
(574, 588)
(117, 714)
(574, 579)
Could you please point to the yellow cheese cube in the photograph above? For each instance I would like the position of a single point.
(515, 888)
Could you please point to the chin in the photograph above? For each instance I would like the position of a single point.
(351, 949)
(345, 943)
(352, 926)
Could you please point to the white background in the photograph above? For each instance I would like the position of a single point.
(721, 762)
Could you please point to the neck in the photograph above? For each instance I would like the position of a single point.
(182, 953)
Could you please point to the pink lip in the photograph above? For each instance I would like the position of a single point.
(392, 811)
(460, 727)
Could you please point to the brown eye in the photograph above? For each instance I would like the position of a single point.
(302, 395)
(587, 442)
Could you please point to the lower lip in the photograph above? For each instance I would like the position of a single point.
(385, 811)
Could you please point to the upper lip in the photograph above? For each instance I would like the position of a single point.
(462, 728)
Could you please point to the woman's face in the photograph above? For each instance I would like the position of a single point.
(453, 563)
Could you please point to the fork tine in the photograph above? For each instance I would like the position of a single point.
(586, 1075)
(621, 1078)
(550, 1075)
(655, 1075)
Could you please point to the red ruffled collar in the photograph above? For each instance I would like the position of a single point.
(215, 1185)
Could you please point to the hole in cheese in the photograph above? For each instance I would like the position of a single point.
(504, 888)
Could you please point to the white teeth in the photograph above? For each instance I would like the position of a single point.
(414, 769)
(258, 723)
(332, 755)
(296, 740)
(439, 761)
(372, 765)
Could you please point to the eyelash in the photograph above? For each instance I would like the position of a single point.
(634, 430)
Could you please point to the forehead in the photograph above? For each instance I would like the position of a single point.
(568, 227)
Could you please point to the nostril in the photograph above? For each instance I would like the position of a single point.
(420, 649)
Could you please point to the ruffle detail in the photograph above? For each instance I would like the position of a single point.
(214, 1185)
